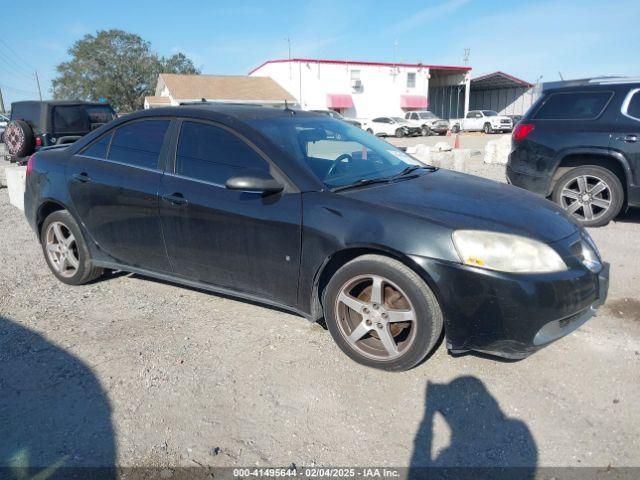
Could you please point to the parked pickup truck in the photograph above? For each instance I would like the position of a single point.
(486, 121)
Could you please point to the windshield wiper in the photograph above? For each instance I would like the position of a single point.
(361, 183)
(410, 169)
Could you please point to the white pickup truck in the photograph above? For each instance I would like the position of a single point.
(486, 121)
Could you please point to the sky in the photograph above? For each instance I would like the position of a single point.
(528, 39)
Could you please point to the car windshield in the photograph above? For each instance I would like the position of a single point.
(336, 152)
(490, 113)
(427, 115)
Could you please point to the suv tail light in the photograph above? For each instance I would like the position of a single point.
(522, 130)
(30, 165)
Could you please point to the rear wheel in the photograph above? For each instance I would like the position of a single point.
(66, 251)
(425, 131)
(592, 195)
(381, 313)
(487, 128)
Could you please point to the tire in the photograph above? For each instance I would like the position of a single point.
(574, 192)
(402, 293)
(455, 129)
(399, 133)
(426, 131)
(487, 128)
(369, 130)
(19, 138)
(62, 224)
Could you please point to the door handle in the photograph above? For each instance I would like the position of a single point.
(175, 198)
(82, 177)
(629, 138)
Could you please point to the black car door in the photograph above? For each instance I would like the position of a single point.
(113, 184)
(248, 242)
(626, 137)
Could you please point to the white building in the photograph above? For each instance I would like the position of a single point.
(371, 89)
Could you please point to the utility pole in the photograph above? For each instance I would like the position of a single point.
(465, 58)
(1, 102)
(290, 66)
(38, 82)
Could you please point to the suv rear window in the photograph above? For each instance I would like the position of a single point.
(71, 119)
(573, 106)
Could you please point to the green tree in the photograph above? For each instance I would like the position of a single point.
(115, 65)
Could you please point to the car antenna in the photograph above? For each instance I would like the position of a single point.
(287, 109)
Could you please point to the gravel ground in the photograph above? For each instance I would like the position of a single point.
(135, 372)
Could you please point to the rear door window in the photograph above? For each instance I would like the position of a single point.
(213, 154)
(71, 119)
(29, 112)
(139, 143)
(99, 148)
(573, 106)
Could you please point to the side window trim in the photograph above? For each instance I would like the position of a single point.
(274, 169)
(627, 101)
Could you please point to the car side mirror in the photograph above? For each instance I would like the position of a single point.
(256, 182)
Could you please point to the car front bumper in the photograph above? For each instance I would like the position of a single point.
(512, 315)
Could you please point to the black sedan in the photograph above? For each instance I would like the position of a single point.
(316, 216)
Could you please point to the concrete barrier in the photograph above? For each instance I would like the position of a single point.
(16, 179)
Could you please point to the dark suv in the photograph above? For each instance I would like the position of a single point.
(579, 146)
(36, 124)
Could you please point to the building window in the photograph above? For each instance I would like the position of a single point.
(411, 80)
(356, 83)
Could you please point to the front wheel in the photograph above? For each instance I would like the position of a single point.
(369, 130)
(592, 195)
(65, 250)
(381, 313)
(455, 129)
(426, 131)
(400, 133)
(487, 128)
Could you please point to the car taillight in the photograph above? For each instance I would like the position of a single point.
(522, 130)
(38, 141)
(30, 164)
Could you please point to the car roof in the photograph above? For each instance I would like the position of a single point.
(215, 111)
(594, 87)
(59, 102)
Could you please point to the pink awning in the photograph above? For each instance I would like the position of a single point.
(339, 101)
(413, 101)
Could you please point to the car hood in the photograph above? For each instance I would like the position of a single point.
(461, 201)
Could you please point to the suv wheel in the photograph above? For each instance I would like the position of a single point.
(455, 129)
(425, 131)
(592, 195)
(381, 313)
(66, 251)
(400, 133)
(487, 128)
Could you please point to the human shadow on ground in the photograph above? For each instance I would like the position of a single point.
(484, 443)
(55, 418)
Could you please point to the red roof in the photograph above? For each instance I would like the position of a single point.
(356, 62)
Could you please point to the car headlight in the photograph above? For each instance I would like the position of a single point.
(505, 252)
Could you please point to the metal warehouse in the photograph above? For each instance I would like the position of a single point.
(503, 93)
(369, 89)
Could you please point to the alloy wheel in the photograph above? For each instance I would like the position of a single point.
(376, 317)
(62, 249)
(586, 197)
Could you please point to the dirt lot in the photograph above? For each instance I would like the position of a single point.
(131, 371)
